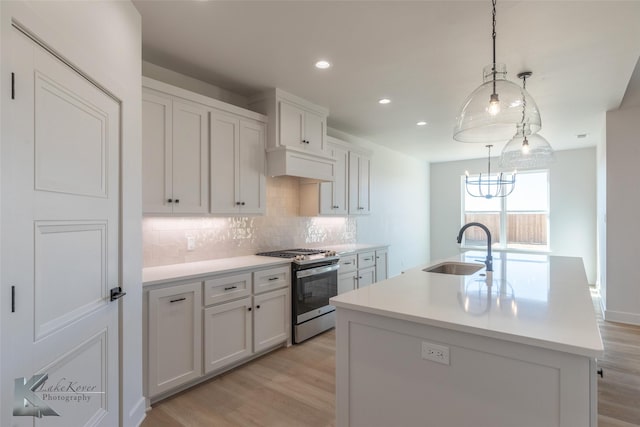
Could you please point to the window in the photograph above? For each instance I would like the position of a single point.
(519, 221)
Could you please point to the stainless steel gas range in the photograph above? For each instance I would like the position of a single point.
(314, 280)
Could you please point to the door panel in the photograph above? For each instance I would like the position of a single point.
(190, 158)
(291, 125)
(314, 131)
(252, 167)
(60, 251)
(224, 163)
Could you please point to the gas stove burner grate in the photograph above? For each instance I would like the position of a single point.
(292, 253)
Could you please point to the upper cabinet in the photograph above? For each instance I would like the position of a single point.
(359, 183)
(200, 155)
(175, 144)
(328, 198)
(296, 138)
(301, 128)
(237, 165)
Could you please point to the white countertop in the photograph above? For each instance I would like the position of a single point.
(195, 270)
(537, 300)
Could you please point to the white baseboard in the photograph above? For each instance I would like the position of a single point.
(137, 414)
(622, 317)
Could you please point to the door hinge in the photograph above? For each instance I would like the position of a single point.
(13, 299)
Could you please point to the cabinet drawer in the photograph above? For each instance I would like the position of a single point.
(227, 288)
(273, 278)
(366, 259)
(347, 264)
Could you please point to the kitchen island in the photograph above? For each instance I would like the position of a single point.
(515, 347)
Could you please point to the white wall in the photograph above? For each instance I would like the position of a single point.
(622, 289)
(399, 205)
(103, 39)
(189, 83)
(572, 182)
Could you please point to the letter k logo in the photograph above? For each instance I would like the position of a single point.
(26, 402)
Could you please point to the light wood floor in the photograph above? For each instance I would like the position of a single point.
(295, 387)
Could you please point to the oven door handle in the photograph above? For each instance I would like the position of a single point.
(318, 270)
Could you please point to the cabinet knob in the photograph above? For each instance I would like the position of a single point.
(601, 373)
(237, 203)
(242, 203)
(257, 306)
(248, 308)
(169, 200)
(336, 207)
(177, 200)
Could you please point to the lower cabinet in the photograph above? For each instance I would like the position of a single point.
(382, 265)
(347, 282)
(242, 314)
(271, 319)
(174, 336)
(227, 333)
(366, 277)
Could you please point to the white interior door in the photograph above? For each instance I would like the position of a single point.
(60, 245)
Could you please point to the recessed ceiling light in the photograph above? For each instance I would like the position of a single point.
(322, 64)
(384, 101)
(421, 123)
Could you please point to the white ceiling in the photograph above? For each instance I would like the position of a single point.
(426, 56)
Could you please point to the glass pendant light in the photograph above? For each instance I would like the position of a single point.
(492, 111)
(526, 150)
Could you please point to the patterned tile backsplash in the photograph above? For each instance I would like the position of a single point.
(165, 238)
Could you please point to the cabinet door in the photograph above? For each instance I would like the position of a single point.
(291, 125)
(314, 131)
(190, 158)
(359, 184)
(333, 195)
(227, 334)
(346, 282)
(225, 187)
(366, 277)
(252, 161)
(271, 319)
(156, 152)
(381, 265)
(175, 336)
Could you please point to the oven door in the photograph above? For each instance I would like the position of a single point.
(313, 288)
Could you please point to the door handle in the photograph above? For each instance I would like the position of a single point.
(116, 293)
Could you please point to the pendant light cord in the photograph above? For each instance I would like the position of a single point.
(493, 36)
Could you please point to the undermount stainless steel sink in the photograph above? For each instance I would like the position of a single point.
(456, 268)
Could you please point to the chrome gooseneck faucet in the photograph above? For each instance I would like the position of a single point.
(489, 260)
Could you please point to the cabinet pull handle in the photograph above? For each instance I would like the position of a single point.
(230, 287)
(367, 259)
(169, 200)
(272, 278)
(377, 257)
(359, 277)
(601, 373)
(347, 263)
(257, 306)
(178, 300)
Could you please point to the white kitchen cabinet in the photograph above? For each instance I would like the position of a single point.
(328, 198)
(174, 336)
(271, 319)
(382, 264)
(228, 333)
(175, 148)
(301, 128)
(366, 277)
(227, 288)
(238, 183)
(359, 183)
(347, 282)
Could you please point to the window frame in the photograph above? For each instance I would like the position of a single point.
(503, 244)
